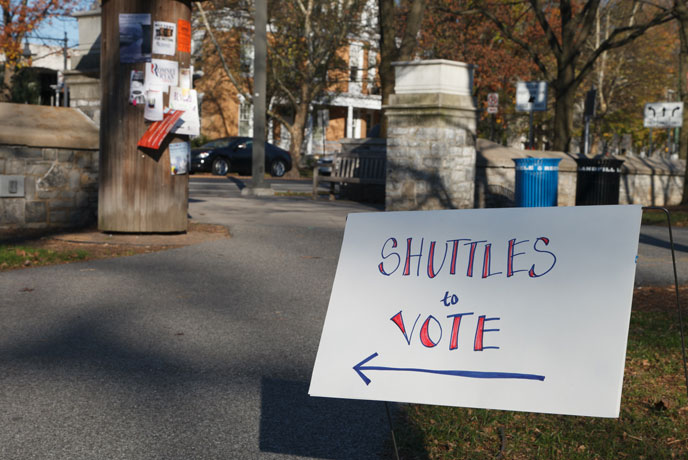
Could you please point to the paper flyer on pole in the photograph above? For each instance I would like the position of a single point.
(184, 36)
(134, 38)
(180, 158)
(158, 130)
(164, 38)
(162, 73)
(522, 309)
(136, 91)
(185, 77)
(153, 110)
(186, 100)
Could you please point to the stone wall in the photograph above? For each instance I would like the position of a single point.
(645, 181)
(48, 168)
(60, 187)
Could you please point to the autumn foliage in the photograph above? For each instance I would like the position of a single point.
(19, 17)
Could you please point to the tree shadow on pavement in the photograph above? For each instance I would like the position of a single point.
(294, 423)
(662, 243)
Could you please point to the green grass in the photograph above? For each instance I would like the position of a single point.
(653, 423)
(23, 256)
(679, 218)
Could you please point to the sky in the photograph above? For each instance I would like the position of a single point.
(56, 27)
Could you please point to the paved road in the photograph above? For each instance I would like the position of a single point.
(654, 257)
(202, 352)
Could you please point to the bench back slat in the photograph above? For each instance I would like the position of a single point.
(360, 166)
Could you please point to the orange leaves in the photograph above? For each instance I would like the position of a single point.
(21, 17)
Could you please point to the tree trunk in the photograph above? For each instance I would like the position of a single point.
(565, 90)
(388, 46)
(681, 11)
(296, 131)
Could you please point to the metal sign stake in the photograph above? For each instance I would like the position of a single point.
(678, 304)
(391, 429)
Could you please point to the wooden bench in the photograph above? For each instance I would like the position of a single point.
(352, 168)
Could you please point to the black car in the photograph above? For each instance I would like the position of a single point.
(235, 154)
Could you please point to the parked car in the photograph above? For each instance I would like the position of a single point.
(235, 154)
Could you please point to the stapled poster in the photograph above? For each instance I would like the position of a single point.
(184, 36)
(164, 38)
(136, 91)
(158, 130)
(135, 38)
(154, 102)
(185, 78)
(186, 100)
(522, 309)
(180, 158)
(162, 73)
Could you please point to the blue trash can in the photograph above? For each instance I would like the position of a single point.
(536, 182)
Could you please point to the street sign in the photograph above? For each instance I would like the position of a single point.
(663, 115)
(492, 102)
(531, 95)
(522, 309)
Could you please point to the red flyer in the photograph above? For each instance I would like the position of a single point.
(184, 36)
(156, 132)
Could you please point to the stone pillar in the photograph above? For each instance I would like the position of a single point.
(431, 137)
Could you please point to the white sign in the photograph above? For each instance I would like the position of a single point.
(531, 94)
(663, 115)
(492, 102)
(493, 99)
(186, 100)
(162, 73)
(515, 309)
(164, 38)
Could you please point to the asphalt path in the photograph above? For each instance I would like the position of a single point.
(202, 352)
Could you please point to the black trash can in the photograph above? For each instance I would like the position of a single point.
(597, 181)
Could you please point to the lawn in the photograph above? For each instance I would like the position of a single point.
(679, 216)
(13, 256)
(653, 423)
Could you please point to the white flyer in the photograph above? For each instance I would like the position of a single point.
(164, 38)
(153, 110)
(162, 73)
(185, 78)
(186, 100)
(137, 95)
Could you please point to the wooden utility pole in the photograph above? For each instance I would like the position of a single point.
(137, 192)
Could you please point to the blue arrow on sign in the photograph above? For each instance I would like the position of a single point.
(360, 367)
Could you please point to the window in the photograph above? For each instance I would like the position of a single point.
(353, 76)
(355, 66)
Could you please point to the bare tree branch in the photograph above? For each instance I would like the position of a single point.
(226, 68)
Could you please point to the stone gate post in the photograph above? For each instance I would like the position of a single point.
(431, 131)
